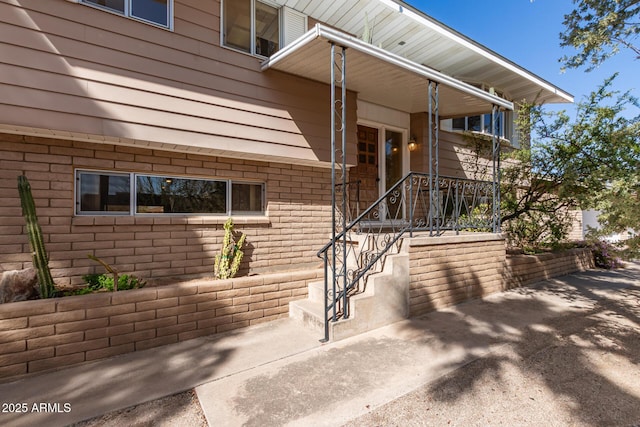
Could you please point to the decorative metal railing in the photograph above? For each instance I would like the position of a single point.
(351, 190)
(415, 203)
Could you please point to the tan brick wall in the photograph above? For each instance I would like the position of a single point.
(46, 334)
(448, 270)
(522, 270)
(296, 226)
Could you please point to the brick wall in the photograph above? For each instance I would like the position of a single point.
(295, 227)
(522, 270)
(448, 270)
(46, 334)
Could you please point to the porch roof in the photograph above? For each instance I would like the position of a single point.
(404, 30)
(379, 76)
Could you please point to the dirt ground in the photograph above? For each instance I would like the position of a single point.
(577, 369)
(179, 410)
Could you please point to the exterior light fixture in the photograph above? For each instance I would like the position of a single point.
(413, 143)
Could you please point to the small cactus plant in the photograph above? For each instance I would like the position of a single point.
(40, 258)
(227, 262)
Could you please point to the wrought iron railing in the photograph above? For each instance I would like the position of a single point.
(415, 203)
(352, 194)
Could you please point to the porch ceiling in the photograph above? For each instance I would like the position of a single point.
(404, 30)
(379, 76)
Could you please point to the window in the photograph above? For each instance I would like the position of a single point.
(156, 194)
(251, 26)
(107, 193)
(103, 193)
(481, 124)
(156, 12)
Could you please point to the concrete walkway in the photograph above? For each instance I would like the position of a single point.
(279, 374)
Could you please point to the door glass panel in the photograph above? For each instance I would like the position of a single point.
(393, 158)
(393, 169)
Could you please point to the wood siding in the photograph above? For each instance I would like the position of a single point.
(74, 68)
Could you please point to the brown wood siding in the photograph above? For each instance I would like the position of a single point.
(75, 68)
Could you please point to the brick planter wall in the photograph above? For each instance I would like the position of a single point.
(448, 270)
(522, 270)
(46, 334)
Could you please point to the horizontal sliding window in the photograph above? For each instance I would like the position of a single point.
(107, 193)
(153, 11)
(480, 123)
(155, 194)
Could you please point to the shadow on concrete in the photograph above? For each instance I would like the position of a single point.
(561, 333)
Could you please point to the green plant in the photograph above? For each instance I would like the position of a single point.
(109, 269)
(99, 282)
(115, 282)
(40, 258)
(227, 262)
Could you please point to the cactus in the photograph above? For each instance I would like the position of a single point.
(40, 259)
(227, 262)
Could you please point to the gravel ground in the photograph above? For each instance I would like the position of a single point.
(178, 410)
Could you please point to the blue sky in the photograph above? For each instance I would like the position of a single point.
(527, 33)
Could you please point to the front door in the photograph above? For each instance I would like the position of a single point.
(366, 171)
(380, 166)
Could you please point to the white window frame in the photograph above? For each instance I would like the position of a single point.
(128, 12)
(252, 26)
(506, 130)
(133, 195)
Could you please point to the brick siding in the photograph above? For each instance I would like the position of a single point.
(297, 223)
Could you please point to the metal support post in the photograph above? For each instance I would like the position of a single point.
(434, 165)
(496, 168)
(338, 165)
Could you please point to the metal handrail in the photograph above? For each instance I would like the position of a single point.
(416, 202)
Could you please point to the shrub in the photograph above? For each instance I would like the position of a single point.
(99, 282)
(605, 255)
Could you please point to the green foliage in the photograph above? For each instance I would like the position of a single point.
(227, 262)
(40, 258)
(100, 282)
(597, 29)
(566, 164)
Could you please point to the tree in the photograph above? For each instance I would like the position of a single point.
(566, 164)
(598, 29)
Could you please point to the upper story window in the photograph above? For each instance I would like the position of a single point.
(259, 28)
(156, 12)
(480, 123)
(251, 26)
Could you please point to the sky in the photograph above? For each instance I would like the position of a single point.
(527, 33)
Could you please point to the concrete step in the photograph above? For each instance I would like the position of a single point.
(309, 314)
(316, 291)
(384, 301)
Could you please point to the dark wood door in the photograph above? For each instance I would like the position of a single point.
(366, 171)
